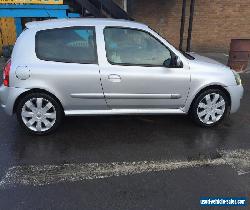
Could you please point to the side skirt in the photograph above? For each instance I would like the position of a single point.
(123, 112)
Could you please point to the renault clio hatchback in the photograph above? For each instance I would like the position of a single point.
(71, 67)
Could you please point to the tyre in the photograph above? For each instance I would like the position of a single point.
(39, 113)
(210, 108)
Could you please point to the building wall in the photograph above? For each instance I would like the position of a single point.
(216, 22)
(161, 15)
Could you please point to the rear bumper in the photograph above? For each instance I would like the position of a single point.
(236, 93)
(8, 96)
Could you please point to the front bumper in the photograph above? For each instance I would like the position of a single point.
(236, 93)
(8, 96)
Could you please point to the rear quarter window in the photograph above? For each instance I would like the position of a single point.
(68, 45)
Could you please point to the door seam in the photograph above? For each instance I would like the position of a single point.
(103, 90)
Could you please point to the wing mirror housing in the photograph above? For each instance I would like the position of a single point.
(178, 63)
(174, 62)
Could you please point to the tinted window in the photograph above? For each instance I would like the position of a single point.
(134, 47)
(71, 45)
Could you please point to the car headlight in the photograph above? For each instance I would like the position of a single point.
(237, 78)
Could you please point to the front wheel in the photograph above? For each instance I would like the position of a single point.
(39, 113)
(210, 108)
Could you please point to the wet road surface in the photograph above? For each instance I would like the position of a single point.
(102, 141)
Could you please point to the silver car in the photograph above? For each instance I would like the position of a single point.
(71, 67)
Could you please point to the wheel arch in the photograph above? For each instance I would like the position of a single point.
(35, 90)
(215, 86)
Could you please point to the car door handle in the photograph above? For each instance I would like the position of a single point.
(114, 78)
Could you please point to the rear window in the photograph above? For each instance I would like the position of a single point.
(68, 45)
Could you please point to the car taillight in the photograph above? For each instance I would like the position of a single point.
(6, 74)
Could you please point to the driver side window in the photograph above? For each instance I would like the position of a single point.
(134, 47)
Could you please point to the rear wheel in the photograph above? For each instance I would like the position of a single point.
(39, 113)
(210, 108)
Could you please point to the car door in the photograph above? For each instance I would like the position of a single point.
(134, 76)
(69, 56)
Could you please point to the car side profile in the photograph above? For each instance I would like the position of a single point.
(72, 67)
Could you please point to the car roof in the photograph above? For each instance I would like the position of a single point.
(70, 22)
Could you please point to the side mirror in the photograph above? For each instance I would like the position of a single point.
(179, 63)
(174, 62)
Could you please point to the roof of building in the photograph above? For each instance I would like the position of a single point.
(58, 23)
